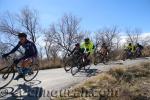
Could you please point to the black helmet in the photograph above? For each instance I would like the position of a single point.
(77, 44)
(130, 43)
(86, 40)
(137, 44)
(22, 35)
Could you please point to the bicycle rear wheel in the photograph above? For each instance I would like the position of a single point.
(97, 59)
(76, 66)
(67, 64)
(34, 69)
(7, 74)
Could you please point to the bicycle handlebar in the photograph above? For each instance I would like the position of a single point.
(6, 58)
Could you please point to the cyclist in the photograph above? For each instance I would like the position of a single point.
(104, 49)
(139, 49)
(129, 49)
(88, 47)
(77, 50)
(30, 54)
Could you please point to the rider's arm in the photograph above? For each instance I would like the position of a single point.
(15, 48)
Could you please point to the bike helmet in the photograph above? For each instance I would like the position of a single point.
(130, 43)
(77, 44)
(86, 40)
(22, 35)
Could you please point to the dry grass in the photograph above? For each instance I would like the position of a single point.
(45, 64)
(146, 51)
(119, 83)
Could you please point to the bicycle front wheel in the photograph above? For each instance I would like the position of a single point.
(67, 64)
(7, 74)
(33, 71)
(75, 70)
(76, 67)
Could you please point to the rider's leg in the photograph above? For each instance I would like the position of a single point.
(24, 68)
(91, 58)
(25, 65)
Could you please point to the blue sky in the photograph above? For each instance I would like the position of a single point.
(94, 13)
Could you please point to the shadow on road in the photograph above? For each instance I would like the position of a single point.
(87, 73)
(92, 72)
(26, 91)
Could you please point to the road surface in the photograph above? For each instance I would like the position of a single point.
(48, 82)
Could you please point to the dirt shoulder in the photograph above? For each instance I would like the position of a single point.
(119, 83)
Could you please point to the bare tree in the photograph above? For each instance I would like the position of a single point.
(11, 24)
(133, 35)
(117, 42)
(40, 51)
(49, 40)
(7, 24)
(28, 19)
(54, 52)
(3, 47)
(144, 40)
(47, 49)
(66, 32)
(51, 47)
(107, 35)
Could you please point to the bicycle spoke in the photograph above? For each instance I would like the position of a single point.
(33, 71)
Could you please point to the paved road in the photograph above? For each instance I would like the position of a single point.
(48, 81)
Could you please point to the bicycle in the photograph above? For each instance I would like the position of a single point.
(81, 62)
(138, 52)
(8, 72)
(100, 58)
(127, 55)
(69, 62)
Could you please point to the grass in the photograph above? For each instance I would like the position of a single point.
(46, 64)
(146, 51)
(119, 83)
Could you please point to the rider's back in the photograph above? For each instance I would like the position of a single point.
(89, 47)
(30, 48)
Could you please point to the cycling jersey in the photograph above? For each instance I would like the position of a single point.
(89, 47)
(129, 47)
(133, 48)
(30, 49)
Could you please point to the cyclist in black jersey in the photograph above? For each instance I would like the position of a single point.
(29, 56)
